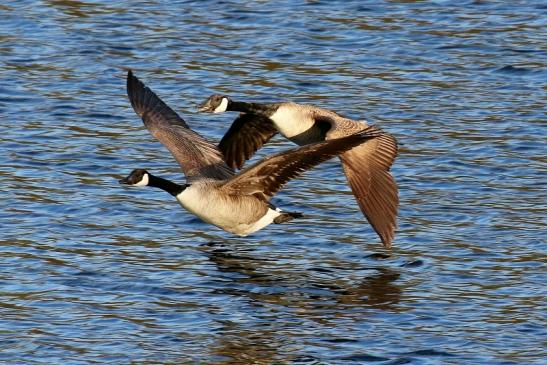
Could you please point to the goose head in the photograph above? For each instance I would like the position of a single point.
(137, 177)
(216, 103)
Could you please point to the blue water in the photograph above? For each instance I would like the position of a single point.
(91, 272)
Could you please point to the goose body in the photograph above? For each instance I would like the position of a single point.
(366, 166)
(237, 203)
(207, 201)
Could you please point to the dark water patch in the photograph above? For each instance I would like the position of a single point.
(413, 264)
(430, 352)
(306, 360)
(321, 269)
(378, 256)
(509, 69)
(364, 358)
(400, 361)
(518, 50)
(342, 340)
(17, 100)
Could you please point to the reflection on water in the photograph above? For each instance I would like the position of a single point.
(310, 295)
(94, 273)
(376, 290)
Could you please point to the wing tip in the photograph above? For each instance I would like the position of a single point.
(132, 83)
(139, 95)
(387, 239)
(377, 197)
(130, 77)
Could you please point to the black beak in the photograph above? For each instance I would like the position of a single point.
(124, 181)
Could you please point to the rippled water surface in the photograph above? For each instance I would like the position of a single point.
(92, 272)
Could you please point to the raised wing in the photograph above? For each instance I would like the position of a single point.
(367, 170)
(267, 176)
(246, 135)
(197, 157)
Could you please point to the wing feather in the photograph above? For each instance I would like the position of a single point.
(197, 157)
(367, 170)
(246, 135)
(267, 176)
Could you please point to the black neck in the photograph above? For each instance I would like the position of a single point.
(169, 186)
(252, 108)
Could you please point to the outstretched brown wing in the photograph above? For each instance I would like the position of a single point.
(197, 157)
(267, 176)
(367, 170)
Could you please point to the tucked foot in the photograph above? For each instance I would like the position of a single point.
(287, 216)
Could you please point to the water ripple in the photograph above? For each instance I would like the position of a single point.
(94, 273)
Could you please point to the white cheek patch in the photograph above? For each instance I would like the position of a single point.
(222, 107)
(144, 181)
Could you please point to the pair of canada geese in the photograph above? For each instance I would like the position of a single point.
(239, 203)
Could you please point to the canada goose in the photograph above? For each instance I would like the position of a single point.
(236, 203)
(366, 166)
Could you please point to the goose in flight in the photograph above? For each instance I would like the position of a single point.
(366, 166)
(237, 203)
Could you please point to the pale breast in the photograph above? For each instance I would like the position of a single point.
(292, 121)
(304, 124)
(235, 214)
